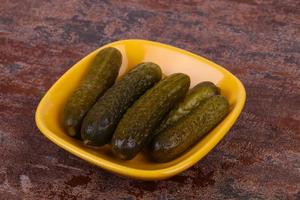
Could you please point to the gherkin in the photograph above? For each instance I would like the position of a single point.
(101, 121)
(175, 140)
(100, 76)
(146, 113)
(194, 97)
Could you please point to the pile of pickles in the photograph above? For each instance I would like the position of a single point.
(141, 109)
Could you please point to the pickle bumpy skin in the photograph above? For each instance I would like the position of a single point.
(146, 113)
(101, 121)
(174, 141)
(100, 76)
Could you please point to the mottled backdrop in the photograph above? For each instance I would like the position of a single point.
(258, 40)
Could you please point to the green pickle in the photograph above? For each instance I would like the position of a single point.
(100, 76)
(146, 113)
(194, 97)
(174, 141)
(101, 121)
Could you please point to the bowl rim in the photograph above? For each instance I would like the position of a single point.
(143, 174)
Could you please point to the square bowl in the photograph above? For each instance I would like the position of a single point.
(171, 59)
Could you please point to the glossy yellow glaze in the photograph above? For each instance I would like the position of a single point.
(171, 59)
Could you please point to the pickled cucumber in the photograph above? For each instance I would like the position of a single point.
(146, 113)
(174, 141)
(192, 100)
(100, 122)
(100, 76)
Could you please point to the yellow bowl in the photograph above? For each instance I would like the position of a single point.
(171, 59)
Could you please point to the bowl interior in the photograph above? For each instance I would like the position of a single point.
(171, 60)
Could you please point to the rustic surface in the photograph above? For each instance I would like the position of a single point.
(259, 41)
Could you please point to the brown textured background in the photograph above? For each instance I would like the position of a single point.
(259, 41)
